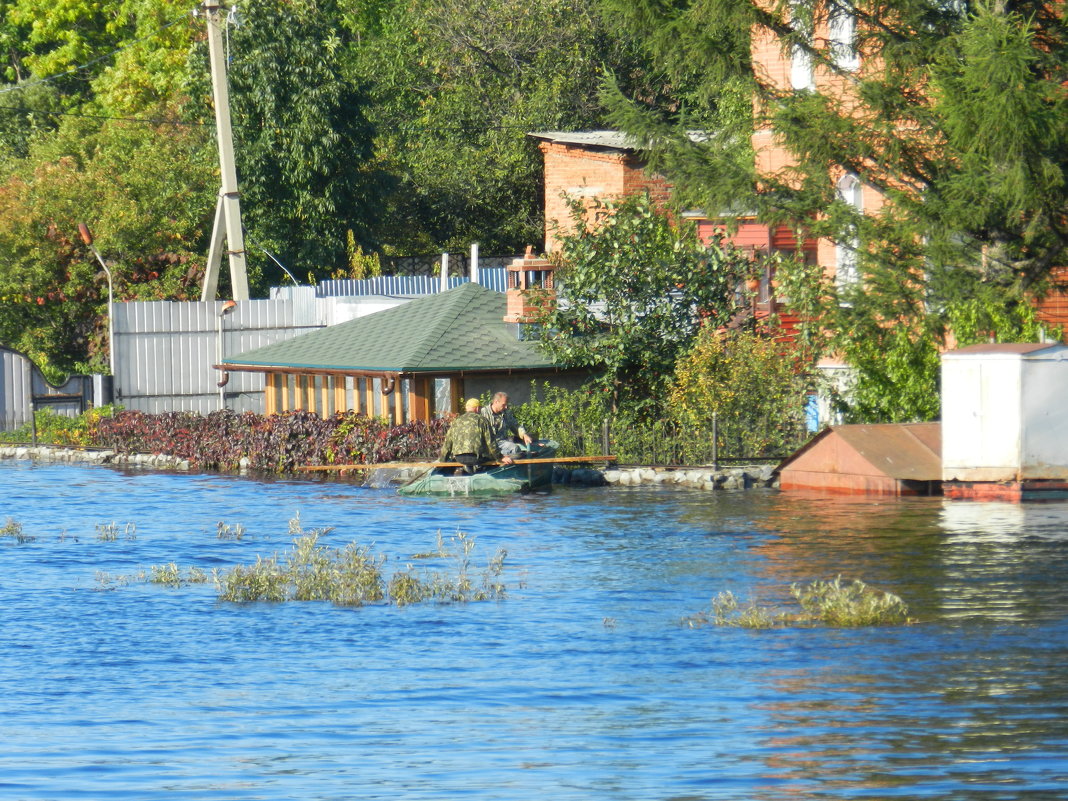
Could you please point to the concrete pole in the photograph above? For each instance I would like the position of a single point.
(229, 206)
(444, 272)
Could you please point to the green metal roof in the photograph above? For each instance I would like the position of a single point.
(458, 330)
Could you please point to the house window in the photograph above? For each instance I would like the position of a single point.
(850, 192)
(842, 23)
(801, 76)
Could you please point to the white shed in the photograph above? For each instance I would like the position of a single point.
(1004, 413)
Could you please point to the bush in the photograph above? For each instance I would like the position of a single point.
(747, 383)
(271, 443)
(57, 429)
(830, 603)
(574, 419)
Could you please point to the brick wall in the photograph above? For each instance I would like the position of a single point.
(589, 173)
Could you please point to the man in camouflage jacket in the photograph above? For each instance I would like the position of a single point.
(470, 441)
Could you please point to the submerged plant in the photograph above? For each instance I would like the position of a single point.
(835, 603)
(850, 603)
(224, 531)
(13, 529)
(171, 575)
(263, 581)
(109, 532)
(353, 575)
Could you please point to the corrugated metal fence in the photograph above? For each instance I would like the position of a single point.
(23, 387)
(14, 389)
(407, 285)
(165, 351)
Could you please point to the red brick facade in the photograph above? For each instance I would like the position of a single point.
(575, 170)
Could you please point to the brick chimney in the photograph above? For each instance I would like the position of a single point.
(530, 288)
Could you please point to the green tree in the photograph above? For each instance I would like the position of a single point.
(956, 113)
(303, 144)
(457, 86)
(636, 289)
(144, 190)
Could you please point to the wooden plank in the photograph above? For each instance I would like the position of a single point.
(419, 399)
(398, 403)
(271, 394)
(399, 465)
(285, 391)
(341, 399)
(369, 396)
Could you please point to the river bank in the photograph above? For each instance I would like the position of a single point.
(706, 478)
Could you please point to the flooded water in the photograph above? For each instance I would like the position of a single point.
(581, 684)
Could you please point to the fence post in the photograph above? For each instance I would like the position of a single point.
(606, 432)
(715, 441)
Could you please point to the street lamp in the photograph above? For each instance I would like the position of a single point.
(87, 238)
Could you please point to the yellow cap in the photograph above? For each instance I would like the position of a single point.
(473, 404)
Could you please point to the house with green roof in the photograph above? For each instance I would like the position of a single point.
(411, 362)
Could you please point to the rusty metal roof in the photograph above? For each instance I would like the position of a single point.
(1005, 347)
(903, 451)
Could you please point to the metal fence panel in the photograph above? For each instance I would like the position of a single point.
(165, 352)
(15, 388)
(407, 285)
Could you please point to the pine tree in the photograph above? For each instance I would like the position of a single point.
(956, 112)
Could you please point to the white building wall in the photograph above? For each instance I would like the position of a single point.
(1003, 415)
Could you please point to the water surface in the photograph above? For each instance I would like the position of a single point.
(582, 684)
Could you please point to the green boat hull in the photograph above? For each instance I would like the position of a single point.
(503, 480)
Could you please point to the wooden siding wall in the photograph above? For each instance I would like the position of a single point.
(329, 394)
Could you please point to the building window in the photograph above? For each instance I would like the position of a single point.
(850, 192)
(842, 24)
(801, 75)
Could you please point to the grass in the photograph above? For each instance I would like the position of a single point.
(837, 603)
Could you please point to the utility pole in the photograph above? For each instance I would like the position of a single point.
(228, 209)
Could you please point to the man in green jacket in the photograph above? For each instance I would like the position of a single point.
(470, 441)
(504, 426)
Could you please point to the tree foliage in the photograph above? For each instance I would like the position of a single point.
(636, 288)
(955, 115)
(302, 140)
(140, 189)
(744, 382)
(456, 88)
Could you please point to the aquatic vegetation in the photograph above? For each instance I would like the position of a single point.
(109, 532)
(110, 581)
(834, 603)
(170, 575)
(224, 531)
(13, 529)
(851, 603)
(354, 575)
(438, 553)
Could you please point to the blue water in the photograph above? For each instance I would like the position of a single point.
(581, 684)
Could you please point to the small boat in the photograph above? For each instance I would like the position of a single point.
(533, 476)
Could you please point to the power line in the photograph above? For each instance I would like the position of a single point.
(402, 128)
(27, 110)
